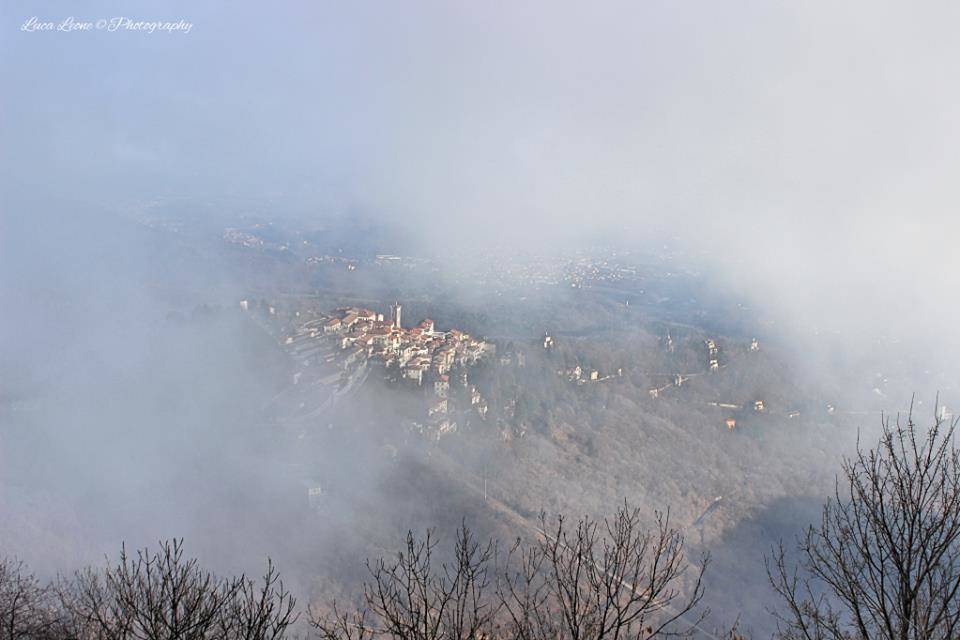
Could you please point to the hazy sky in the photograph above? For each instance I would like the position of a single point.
(812, 146)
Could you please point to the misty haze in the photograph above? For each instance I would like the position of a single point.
(463, 321)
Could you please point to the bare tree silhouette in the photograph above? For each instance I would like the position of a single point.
(598, 580)
(166, 596)
(414, 597)
(608, 579)
(27, 607)
(884, 562)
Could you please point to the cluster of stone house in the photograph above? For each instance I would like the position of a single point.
(418, 353)
(337, 347)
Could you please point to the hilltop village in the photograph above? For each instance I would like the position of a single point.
(335, 351)
(420, 353)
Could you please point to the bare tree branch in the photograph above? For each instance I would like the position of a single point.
(884, 562)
